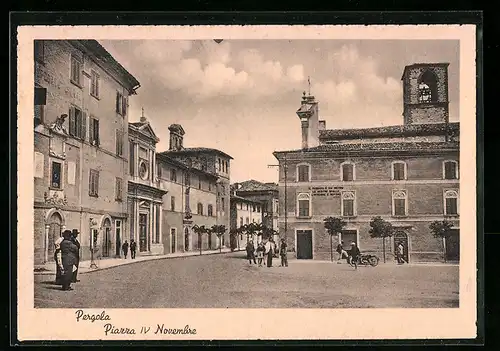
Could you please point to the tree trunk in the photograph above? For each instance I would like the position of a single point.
(331, 247)
(200, 242)
(220, 243)
(383, 247)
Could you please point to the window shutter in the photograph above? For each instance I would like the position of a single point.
(91, 130)
(84, 125)
(118, 142)
(72, 122)
(124, 102)
(96, 131)
(96, 183)
(117, 102)
(40, 96)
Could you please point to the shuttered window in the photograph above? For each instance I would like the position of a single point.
(450, 170)
(119, 189)
(398, 169)
(77, 123)
(94, 131)
(76, 70)
(119, 142)
(94, 182)
(303, 173)
(347, 172)
(94, 84)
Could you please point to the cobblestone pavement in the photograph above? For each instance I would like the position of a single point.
(228, 280)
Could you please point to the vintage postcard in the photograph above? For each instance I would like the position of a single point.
(246, 182)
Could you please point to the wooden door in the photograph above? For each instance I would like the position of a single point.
(304, 244)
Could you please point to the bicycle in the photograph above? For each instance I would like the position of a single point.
(365, 260)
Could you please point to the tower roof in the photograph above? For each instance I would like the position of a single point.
(416, 65)
(177, 128)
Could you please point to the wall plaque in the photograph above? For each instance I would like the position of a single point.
(326, 191)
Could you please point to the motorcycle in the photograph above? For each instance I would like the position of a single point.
(365, 260)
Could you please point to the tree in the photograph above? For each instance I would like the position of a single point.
(333, 226)
(219, 230)
(235, 233)
(200, 230)
(441, 229)
(380, 228)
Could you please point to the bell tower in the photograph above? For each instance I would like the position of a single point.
(425, 93)
(176, 137)
(309, 119)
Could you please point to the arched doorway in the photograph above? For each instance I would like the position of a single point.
(106, 237)
(401, 237)
(55, 228)
(186, 239)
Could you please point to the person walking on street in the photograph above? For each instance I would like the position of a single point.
(125, 249)
(260, 253)
(283, 253)
(69, 260)
(269, 252)
(57, 257)
(74, 235)
(133, 247)
(341, 251)
(400, 253)
(354, 254)
(250, 252)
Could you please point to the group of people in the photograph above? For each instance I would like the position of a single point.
(132, 246)
(351, 256)
(266, 250)
(67, 258)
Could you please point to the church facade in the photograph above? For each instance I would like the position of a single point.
(407, 174)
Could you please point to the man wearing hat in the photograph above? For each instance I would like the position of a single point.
(74, 235)
(69, 259)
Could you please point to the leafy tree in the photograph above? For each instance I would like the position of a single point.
(333, 226)
(200, 230)
(380, 228)
(219, 230)
(441, 229)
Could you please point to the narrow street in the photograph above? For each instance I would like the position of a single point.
(228, 281)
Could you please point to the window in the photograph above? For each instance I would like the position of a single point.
(427, 88)
(40, 101)
(39, 50)
(303, 173)
(200, 209)
(450, 170)
(56, 175)
(173, 175)
(121, 104)
(131, 160)
(172, 203)
(77, 123)
(253, 208)
(220, 165)
(348, 199)
(158, 170)
(304, 205)
(210, 210)
(241, 221)
(199, 182)
(94, 131)
(94, 183)
(247, 220)
(119, 142)
(157, 224)
(209, 186)
(451, 202)
(398, 170)
(143, 169)
(347, 172)
(119, 189)
(76, 70)
(399, 207)
(223, 204)
(258, 208)
(94, 84)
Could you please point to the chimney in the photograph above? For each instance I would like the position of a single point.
(176, 137)
(322, 125)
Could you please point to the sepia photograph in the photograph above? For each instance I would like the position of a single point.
(248, 174)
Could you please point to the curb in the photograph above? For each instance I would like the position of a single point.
(153, 258)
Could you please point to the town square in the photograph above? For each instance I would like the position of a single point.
(246, 174)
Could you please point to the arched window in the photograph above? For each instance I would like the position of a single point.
(200, 209)
(427, 87)
(450, 170)
(348, 204)
(210, 210)
(303, 173)
(451, 202)
(347, 171)
(399, 203)
(304, 205)
(398, 171)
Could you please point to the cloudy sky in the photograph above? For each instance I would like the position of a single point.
(240, 96)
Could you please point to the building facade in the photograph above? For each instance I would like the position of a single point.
(408, 174)
(197, 181)
(80, 162)
(244, 211)
(145, 196)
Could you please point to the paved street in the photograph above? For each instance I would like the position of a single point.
(227, 280)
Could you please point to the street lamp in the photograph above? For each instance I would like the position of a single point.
(285, 167)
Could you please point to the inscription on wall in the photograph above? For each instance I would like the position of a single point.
(326, 191)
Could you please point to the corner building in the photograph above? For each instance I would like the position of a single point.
(408, 174)
(80, 161)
